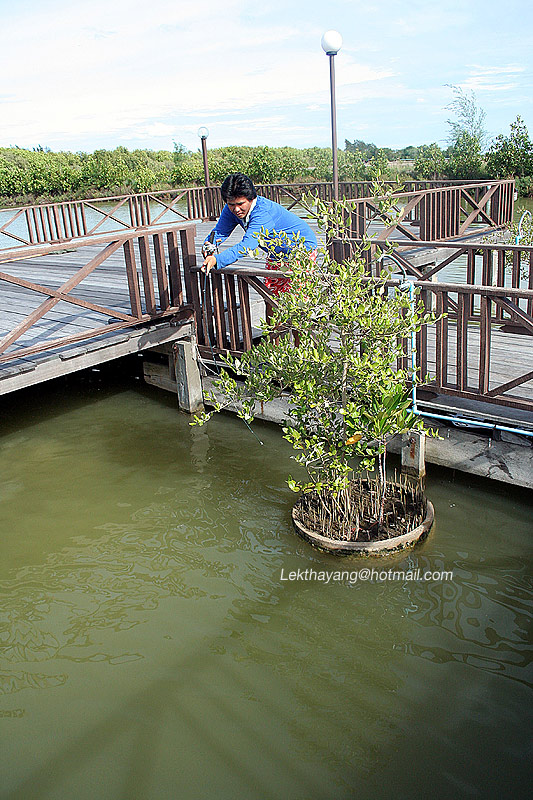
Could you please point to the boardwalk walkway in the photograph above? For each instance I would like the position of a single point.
(108, 286)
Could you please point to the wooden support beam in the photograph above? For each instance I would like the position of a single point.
(499, 390)
(188, 253)
(233, 319)
(160, 266)
(484, 345)
(477, 208)
(176, 291)
(516, 312)
(146, 270)
(133, 279)
(246, 320)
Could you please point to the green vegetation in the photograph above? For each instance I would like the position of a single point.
(512, 156)
(28, 176)
(467, 158)
(40, 174)
(369, 150)
(463, 159)
(430, 162)
(469, 118)
(347, 398)
(275, 164)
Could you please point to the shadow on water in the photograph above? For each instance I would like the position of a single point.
(51, 399)
(151, 645)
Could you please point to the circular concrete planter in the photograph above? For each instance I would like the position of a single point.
(366, 548)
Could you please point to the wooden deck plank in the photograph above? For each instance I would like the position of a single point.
(89, 355)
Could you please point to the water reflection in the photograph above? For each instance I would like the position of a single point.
(175, 546)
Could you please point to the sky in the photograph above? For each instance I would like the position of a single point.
(83, 75)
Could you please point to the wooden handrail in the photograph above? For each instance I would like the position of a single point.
(161, 295)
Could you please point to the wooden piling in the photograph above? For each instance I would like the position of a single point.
(188, 379)
(414, 454)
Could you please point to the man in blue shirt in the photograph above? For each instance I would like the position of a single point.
(254, 214)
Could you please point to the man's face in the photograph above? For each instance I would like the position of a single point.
(239, 206)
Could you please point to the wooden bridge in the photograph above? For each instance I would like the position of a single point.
(81, 286)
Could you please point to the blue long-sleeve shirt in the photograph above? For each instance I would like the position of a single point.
(265, 215)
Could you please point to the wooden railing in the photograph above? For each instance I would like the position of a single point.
(461, 356)
(441, 210)
(229, 304)
(466, 353)
(440, 214)
(485, 292)
(488, 264)
(63, 222)
(143, 268)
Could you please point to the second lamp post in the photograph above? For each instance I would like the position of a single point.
(203, 133)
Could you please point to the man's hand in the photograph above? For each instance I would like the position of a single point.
(209, 263)
(208, 249)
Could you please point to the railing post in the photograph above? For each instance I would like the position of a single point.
(162, 278)
(133, 279)
(176, 291)
(146, 270)
(484, 345)
(188, 252)
(441, 341)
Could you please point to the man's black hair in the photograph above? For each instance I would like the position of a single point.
(238, 185)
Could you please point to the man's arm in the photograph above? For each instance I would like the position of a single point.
(226, 224)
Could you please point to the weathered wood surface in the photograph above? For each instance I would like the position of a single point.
(510, 355)
(107, 285)
(107, 300)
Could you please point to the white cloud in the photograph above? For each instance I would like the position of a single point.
(154, 129)
(76, 75)
(127, 76)
(493, 78)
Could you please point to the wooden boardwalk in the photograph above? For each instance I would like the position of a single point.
(106, 286)
(511, 355)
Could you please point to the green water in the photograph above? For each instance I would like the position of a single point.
(150, 648)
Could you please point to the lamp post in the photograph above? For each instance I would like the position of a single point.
(203, 133)
(331, 44)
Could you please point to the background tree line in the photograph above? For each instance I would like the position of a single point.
(40, 174)
(26, 175)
